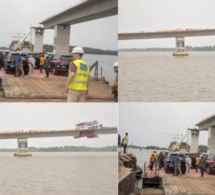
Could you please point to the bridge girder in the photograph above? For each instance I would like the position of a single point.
(89, 10)
(172, 34)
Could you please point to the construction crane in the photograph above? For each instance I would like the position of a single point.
(16, 36)
(175, 136)
(175, 145)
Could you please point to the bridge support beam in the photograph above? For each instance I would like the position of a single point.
(180, 47)
(61, 39)
(194, 140)
(211, 141)
(22, 147)
(38, 39)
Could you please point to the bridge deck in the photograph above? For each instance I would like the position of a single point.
(188, 185)
(175, 185)
(51, 88)
(58, 133)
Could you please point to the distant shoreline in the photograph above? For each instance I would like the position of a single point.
(87, 50)
(157, 49)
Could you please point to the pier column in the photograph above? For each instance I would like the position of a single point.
(194, 140)
(22, 147)
(61, 39)
(38, 39)
(211, 141)
(180, 47)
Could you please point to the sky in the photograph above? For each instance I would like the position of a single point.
(155, 123)
(19, 16)
(152, 15)
(57, 116)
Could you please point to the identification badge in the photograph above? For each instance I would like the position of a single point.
(84, 67)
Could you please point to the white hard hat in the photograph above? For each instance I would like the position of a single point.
(78, 50)
(116, 64)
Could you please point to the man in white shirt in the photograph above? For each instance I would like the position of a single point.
(188, 165)
(31, 64)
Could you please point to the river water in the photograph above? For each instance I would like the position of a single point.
(161, 77)
(142, 155)
(59, 174)
(105, 62)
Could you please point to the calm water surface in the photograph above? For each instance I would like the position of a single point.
(106, 63)
(59, 174)
(160, 77)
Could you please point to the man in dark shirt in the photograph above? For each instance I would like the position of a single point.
(1, 59)
(202, 166)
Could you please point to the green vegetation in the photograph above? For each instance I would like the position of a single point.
(67, 149)
(187, 48)
(147, 147)
(155, 148)
(203, 148)
(2, 48)
(87, 50)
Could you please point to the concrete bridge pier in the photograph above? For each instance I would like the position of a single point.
(180, 47)
(61, 39)
(211, 141)
(22, 147)
(38, 39)
(194, 140)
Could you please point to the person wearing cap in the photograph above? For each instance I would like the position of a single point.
(78, 80)
(115, 85)
(42, 62)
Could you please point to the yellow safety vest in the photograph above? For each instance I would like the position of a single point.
(155, 155)
(125, 141)
(80, 79)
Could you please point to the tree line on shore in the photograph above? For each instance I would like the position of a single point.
(187, 48)
(202, 148)
(87, 50)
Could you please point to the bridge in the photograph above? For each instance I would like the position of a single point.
(178, 34)
(207, 124)
(166, 34)
(87, 11)
(22, 136)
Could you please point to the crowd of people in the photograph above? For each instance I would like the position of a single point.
(156, 161)
(19, 63)
(78, 74)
